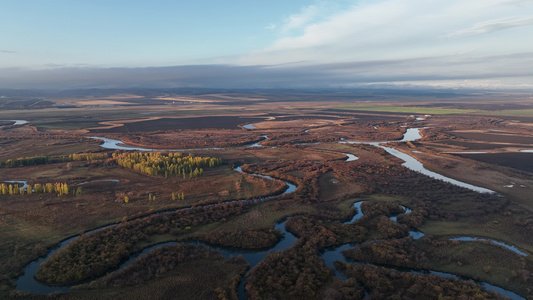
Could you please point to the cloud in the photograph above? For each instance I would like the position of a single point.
(318, 11)
(391, 29)
(304, 17)
(491, 26)
(439, 71)
(337, 29)
(271, 26)
(7, 51)
(368, 42)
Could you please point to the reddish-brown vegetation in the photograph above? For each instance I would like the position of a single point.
(249, 239)
(385, 283)
(94, 254)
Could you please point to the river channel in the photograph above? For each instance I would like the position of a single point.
(17, 122)
(413, 134)
(27, 282)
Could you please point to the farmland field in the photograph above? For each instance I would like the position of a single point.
(519, 161)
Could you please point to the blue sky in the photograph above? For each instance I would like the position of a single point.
(297, 43)
(135, 33)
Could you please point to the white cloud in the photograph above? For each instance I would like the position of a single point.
(391, 29)
(304, 17)
(491, 26)
(319, 11)
(387, 41)
(271, 26)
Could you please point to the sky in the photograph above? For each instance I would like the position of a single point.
(266, 44)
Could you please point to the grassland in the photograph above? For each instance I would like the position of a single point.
(435, 110)
(410, 110)
(482, 261)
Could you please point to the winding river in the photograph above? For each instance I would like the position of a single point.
(27, 283)
(252, 256)
(332, 254)
(350, 157)
(119, 145)
(257, 145)
(114, 144)
(489, 241)
(413, 134)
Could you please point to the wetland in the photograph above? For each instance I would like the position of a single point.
(206, 200)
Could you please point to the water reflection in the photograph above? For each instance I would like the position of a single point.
(410, 162)
(476, 239)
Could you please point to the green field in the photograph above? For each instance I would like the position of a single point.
(436, 110)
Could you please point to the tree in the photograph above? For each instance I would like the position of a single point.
(156, 163)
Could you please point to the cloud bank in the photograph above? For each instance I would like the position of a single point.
(506, 72)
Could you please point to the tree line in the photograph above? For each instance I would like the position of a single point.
(170, 164)
(25, 161)
(14, 189)
(45, 159)
(88, 156)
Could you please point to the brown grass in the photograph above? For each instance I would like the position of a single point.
(100, 102)
(482, 261)
(480, 135)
